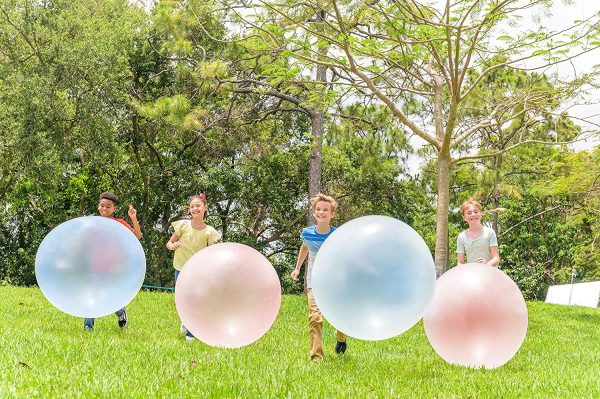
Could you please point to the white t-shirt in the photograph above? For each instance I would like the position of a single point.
(478, 247)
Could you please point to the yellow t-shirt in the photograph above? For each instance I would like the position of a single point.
(191, 240)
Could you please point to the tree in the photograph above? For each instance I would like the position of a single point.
(427, 64)
(63, 72)
(574, 183)
(262, 69)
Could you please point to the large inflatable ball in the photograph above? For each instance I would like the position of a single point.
(477, 318)
(373, 278)
(228, 295)
(90, 266)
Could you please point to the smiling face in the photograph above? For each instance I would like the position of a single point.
(323, 212)
(106, 207)
(472, 215)
(197, 208)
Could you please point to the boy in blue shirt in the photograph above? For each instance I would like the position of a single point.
(323, 207)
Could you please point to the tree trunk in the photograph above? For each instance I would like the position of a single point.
(496, 194)
(316, 160)
(316, 116)
(441, 231)
(316, 154)
(497, 168)
(135, 142)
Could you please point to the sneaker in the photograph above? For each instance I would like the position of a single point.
(340, 347)
(189, 338)
(88, 328)
(183, 330)
(123, 319)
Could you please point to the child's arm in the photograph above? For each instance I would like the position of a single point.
(137, 230)
(460, 250)
(213, 236)
(495, 257)
(173, 242)
(301, 256)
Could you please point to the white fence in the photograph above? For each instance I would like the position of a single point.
(581, 294)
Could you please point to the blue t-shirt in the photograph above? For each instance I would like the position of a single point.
(313, 241)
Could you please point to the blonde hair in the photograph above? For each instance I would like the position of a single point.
(325, 198)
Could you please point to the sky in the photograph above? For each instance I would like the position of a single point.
(561, 17)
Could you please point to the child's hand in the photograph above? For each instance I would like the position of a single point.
(294, 274)
(173, 245)
(481, 260)
(132, 212)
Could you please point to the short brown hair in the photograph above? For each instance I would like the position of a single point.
(323, 197)
(109, 196)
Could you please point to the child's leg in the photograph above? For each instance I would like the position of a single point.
(315, 324)
(183, 330)
(88, 324)
(340, 336)
(340, 345)
(121, 317)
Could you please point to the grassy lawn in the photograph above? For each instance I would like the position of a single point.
(46, 353)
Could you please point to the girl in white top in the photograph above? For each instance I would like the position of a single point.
(478, 243)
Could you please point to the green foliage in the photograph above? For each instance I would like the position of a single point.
(67, 70)
(575, 184)
(98, 96)
(362, 166)
(548, 229)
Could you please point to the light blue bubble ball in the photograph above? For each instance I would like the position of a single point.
(373, 278)
(90, 266)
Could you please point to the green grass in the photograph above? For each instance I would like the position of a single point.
(45, 353)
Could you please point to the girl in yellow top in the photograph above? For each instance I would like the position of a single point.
(190, 236)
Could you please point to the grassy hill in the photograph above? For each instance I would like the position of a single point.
(46, 353)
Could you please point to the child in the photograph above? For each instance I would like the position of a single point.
(323, 208)
(478, 242)
(190, 236)
(106, 207)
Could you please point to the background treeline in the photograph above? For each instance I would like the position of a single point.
(160, 104)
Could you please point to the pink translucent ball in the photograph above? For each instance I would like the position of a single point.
(477, 318)
(228, 295)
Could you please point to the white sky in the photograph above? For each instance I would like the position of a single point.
(562, 17)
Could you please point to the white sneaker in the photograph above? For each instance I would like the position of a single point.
(183, 329)
(188, 338)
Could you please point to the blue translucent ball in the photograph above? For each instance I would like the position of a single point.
(90, 266)
(373, 278)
